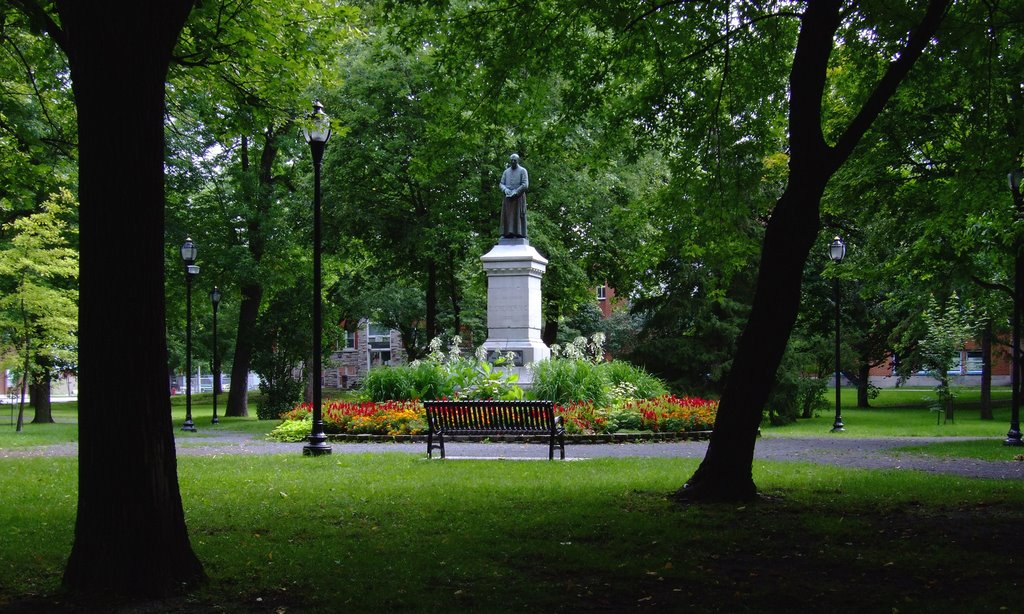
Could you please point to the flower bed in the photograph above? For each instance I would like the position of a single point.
(665, 414)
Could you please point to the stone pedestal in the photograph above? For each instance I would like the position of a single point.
(514, 270)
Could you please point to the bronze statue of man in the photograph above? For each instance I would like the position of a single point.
(514, 183)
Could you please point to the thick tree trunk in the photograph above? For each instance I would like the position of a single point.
(863, 385)
(40, 395)
(725, 473)
(248, 311)
(130, 535)
(986, 371)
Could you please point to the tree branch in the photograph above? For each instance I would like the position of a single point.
(894, 75)
(39, 16)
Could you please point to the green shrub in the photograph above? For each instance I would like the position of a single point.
(429, 381)
(643, 384)
(389, 384)
(565, 380)
(291, 431)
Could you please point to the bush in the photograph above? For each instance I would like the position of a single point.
(643, 384)
(291, 431)
(389, 383)
(565, 381)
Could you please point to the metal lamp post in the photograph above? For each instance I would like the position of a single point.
(836, 252)
(188, 255)
(1013, 436)
(317, 132)
(215, 301)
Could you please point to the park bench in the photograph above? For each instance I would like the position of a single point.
(491, 418)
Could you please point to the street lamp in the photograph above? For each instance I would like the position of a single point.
(836, 252)
(215, 300)
(1013, 436)
(188, 254)
(317, 132)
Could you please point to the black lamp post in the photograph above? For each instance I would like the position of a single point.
(317, 132)
(836, 252)
(188, 254)
(215, 300)
(1013, 436)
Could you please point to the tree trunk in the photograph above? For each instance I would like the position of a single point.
(550, 333)
(248, 311)
(130, 534)
(986, 370)
(40, 394)
(725, 472)
(863, 385)
(432, 300)
(455, 295)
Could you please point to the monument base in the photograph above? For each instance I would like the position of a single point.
(514, 271)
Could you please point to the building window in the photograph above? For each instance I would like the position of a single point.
(975, 360)
(957, 367)
(350, 340)
(601, 293)
(379, 337)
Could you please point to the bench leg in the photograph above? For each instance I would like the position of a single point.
(431, 445)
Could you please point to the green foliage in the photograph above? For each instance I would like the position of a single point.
(445, 375)
(292, 430)
(565, 381)
(39, 266)
(643, 384)
(391, 383)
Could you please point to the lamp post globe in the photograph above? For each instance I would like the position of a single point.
(317, 132)
(215, 301)
(188, 256)
(836, 252)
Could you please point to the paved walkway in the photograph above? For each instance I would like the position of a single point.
(840, 451)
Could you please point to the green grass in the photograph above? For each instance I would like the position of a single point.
(903, 413)
(392, 532)
(65, 429)
(982, 449)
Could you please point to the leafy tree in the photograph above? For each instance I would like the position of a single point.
(947, 326)
(240, 69)
(41, 262)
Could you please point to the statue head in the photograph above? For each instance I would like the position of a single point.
(513, 160)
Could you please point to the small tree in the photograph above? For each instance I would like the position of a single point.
(947, 329)
(42, 265)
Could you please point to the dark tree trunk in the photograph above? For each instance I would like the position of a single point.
(863, 385)
(248, 311)
(986, 371)
(432, 299)
(550, 333)
(456, 296)
(40, 395)
(725, 472)
(130, 534)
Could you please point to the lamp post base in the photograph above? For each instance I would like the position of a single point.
(189, 426)
(317, 446)
(1013, 438)
(837, 427)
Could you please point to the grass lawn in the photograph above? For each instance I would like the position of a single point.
(903, 413)
(65, 429)
(392, 532)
